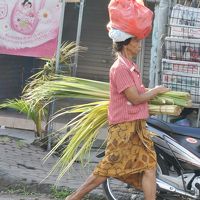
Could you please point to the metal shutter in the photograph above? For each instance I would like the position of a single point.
(14, 72)
(96, 61)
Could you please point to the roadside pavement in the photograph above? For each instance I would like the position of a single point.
(21, 164)
(25, 197)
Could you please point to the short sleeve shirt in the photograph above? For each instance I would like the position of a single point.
(125, 74)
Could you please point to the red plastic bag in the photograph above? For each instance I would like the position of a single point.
(130, 16)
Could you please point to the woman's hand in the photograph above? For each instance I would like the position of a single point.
(135, 98)
(161, 89)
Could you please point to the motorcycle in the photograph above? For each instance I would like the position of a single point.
(178, 165)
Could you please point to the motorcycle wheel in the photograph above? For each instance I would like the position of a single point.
(118, 190)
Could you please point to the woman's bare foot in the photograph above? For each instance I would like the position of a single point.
(71, 197)
(91, 183)
(68, 198)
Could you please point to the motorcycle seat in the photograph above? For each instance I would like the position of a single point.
(174, 129)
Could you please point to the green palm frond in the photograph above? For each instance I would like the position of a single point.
(83, 133)
(45, 73)
(23, 106)
(68, 87)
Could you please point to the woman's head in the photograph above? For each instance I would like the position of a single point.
(118, 46)
(130, 46)
(124, 42)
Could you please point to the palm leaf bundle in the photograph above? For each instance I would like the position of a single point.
(173, 98)
(165, 109)
(63, 86)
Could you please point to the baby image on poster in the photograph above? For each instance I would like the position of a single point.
(24, 17)
(29, 24)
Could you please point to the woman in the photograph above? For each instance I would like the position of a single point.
(129, 156)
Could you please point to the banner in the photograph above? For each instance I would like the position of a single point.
(29, 27)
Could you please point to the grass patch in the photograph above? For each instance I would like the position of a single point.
(4, 139)
(19, 189)
(62, 193)
(20, 144)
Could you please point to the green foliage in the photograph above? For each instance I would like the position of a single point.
(35, 113)
(47, 72)
(84, 130)
(19, 189)
(21, 144)
(4, 139)
(68, 87)
(60, 193)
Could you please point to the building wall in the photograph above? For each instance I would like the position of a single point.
(96, 61)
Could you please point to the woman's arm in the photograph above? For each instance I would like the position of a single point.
(135, 98)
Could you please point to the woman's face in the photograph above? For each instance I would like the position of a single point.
(134, 46)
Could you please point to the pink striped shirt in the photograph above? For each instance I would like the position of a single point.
(125, 74)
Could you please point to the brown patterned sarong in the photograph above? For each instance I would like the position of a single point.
(128, 154)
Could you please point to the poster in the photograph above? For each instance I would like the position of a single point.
(29, 27)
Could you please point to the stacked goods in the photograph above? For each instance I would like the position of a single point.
(182, 49)
(170, 103)
(182, 76)
(165, 110)
(181, 68)
(185, 22)
(173, 98)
